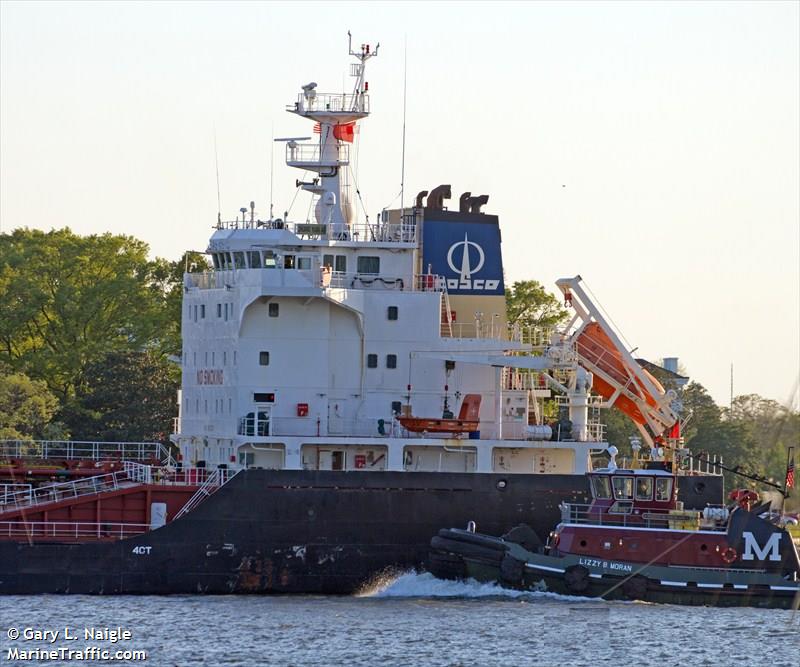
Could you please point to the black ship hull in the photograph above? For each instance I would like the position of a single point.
(303, 532)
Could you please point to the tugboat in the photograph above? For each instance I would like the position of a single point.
(634, 541)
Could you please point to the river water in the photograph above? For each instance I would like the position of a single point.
(411, 619)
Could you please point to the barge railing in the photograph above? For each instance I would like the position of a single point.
(70, 530)
(84, 449)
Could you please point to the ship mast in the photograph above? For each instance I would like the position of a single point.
(335, 116)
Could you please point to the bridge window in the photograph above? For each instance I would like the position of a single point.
(215, 259)
(288, 261)
(372, 361)
(238, 259)
(391, 361)
(219, 310)
(601, 487)
(369, 265)
(623, 488)
(269, 259)
(664, 489)
(392, 312)
(273, 309)
(255, 259)
(336, 263)
(644, 488)
(202, 311)
(304, 263)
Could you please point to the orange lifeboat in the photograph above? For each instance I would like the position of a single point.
(468, 420)
(594, 345)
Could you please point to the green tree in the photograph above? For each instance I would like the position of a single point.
(67, 300)
(26, 409)
(126, 395)
(168, 279)
(529, 304)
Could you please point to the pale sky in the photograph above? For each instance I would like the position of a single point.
(652, 148)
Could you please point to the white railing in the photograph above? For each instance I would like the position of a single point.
(70, 530)
(10, 491)
(215, 480)
(358, 102)
(382, 232)
(368, 281)
(83, 449)
(52, 493)
(310, 154)
(648, 518)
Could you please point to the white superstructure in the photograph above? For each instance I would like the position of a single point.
(309, 339)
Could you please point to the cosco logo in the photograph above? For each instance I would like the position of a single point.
(472, 259)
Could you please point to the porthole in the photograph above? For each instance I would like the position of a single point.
(583, 543)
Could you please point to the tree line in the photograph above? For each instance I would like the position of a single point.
(88, 328)
(90, 350)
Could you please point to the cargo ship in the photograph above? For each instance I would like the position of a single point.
(350, 384)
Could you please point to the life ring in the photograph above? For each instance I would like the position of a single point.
(728, 555)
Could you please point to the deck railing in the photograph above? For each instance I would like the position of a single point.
(216, 479)
(132, 474)
(70, 530)
(574, 513)
(83, 449)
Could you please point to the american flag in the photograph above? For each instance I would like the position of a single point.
(790, 474)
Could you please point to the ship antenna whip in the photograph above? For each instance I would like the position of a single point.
(403, 157)
(216, 166)
(272, 172)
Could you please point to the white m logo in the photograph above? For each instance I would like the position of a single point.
(770, 548)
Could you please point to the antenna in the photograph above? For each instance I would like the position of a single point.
(731, 404)
(271, 172)
(403, 158)
(216, 165)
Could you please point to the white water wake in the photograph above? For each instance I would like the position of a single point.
(413, 584)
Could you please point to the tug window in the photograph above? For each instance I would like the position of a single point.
(664, 489)
(372, 361)
(391, 361)
(392, 312)
(623, 488)
(369, 265)
(273, 309)
(601, 487)
(644, 488)
(263, 358)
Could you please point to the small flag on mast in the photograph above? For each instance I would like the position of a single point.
(341, 131)
(790, 474)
